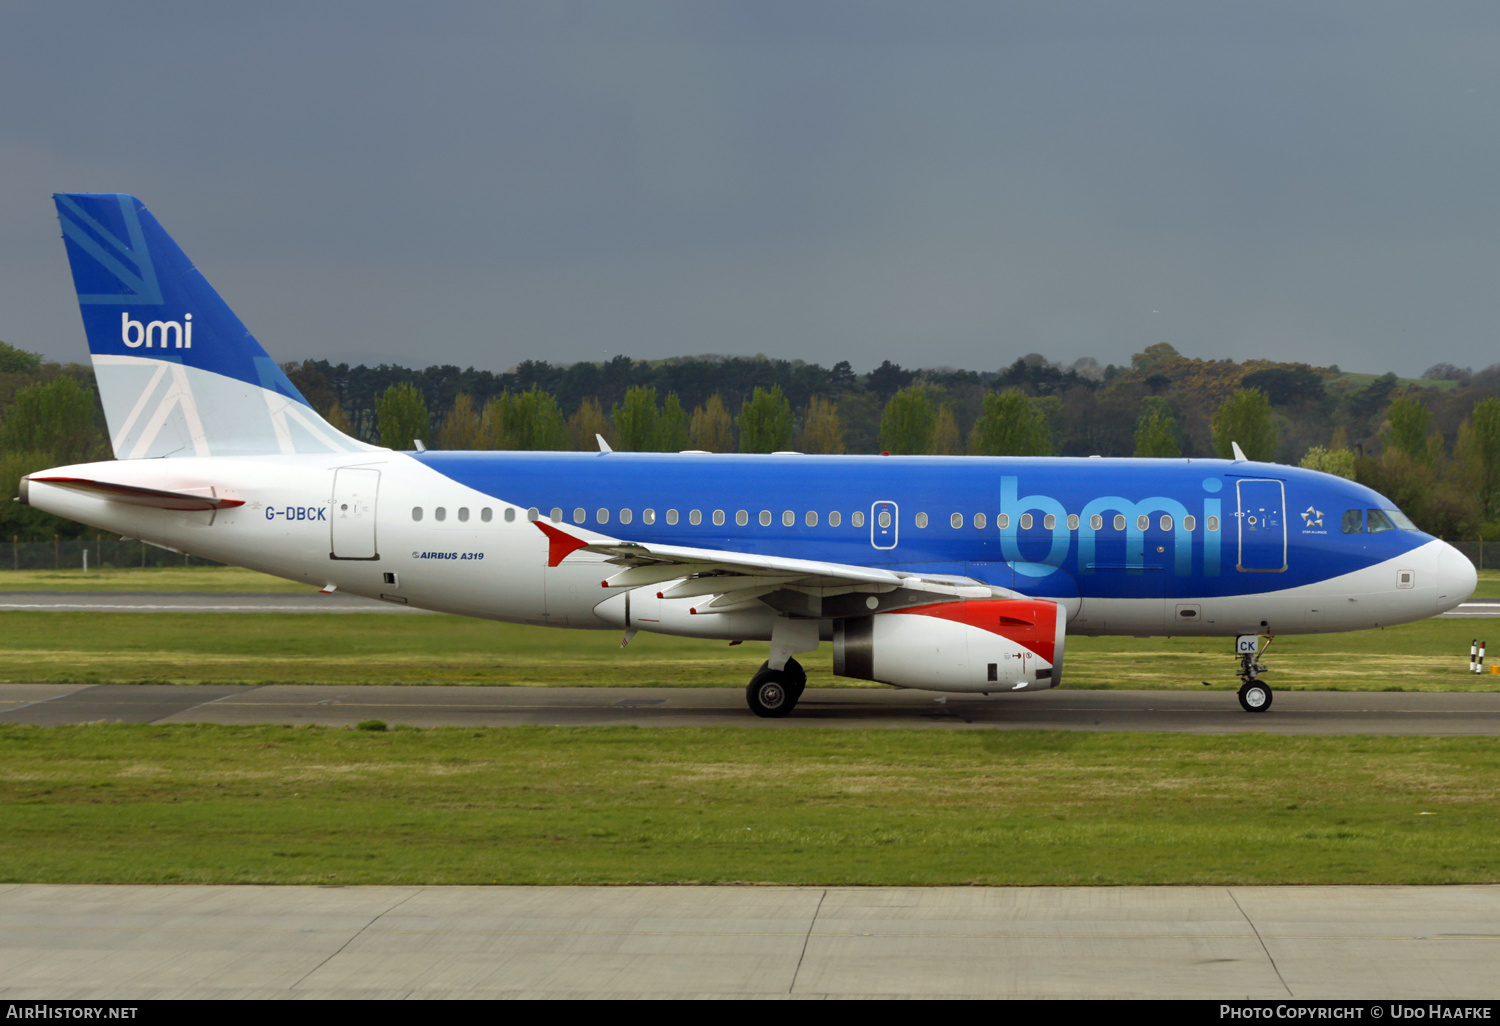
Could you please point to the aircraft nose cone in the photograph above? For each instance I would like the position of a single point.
(1454, 575)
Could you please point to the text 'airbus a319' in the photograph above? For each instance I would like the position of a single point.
(957, 574)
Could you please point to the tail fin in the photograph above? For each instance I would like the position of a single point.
(178, 372)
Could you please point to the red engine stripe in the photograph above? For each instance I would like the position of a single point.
(1038, 632)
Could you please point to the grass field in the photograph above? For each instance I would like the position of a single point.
(263, 648)
(195, 578)
(558, 806)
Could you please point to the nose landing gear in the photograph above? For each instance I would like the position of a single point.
(1255, 694)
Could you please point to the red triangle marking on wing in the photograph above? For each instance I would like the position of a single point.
(559, 543)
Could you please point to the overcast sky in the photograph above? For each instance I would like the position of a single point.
(932, 183)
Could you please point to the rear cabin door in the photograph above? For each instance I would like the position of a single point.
(353, 514)
(1262, 518)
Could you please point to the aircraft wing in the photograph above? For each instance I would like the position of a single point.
(736, 579)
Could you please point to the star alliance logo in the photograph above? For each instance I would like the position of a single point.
(1312, 517)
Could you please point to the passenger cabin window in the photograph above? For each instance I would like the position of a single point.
(956, 520)
(980, 520)
(556, 516)
(463, 514)
(626, 516)
(486, 514)
(1119, 521)
(416, 512)
(765, 518)
(1049, 521)
(921, 519)
(1379, 522)
(440, 514)
(648, 516)
(857, 518)
(533, 514)
(835, 518)
(1166, 523)
(1096, 522)
(579, 515)
(1190, 523)
(788, 519)
(884, 520)
(671, 516)
(510, 514)
(601, 515)
(695, 517)
(811, 519)
(1213, 523)
(1143, 523)
(1002, 521)
(741, 518)
(1072, 521)
(1025, 521)
(1354, 521)
(718, 518)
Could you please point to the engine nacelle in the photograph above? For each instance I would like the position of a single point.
(981, 645)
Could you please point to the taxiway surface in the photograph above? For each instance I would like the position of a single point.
(1197, 712)
(1271, 943)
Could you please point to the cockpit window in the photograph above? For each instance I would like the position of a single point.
(1402, 520)
(1354, 521)
(1380, 521)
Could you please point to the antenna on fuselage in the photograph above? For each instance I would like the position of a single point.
(603, 445)
(1239, 454)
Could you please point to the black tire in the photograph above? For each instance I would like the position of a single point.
(793, 669)
(1255, 697)
(772, 694)
(797, 677)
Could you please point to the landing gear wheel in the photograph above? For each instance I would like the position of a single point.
(1255, 697)
(796, 676)
(773, 693)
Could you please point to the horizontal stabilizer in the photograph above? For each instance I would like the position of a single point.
(135, 495)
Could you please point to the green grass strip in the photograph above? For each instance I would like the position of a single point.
(153, 804)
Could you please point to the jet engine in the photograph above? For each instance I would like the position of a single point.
(979, 645)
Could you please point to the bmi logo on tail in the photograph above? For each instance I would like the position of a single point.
(134, 334)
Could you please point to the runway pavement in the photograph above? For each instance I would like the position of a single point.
(317, 602)
(1198, 712)
(1223, 943)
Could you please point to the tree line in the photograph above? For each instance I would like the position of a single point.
(1432, 445)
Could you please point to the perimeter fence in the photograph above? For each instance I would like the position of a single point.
(69, 554)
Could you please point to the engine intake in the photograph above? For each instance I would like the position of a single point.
(981, 645)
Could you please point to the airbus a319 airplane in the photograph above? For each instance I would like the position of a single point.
(956, 574)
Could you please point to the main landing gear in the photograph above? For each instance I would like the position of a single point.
(1255, 694)
(774, 693)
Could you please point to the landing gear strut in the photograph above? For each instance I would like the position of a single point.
(1255, 694)
(774, 693)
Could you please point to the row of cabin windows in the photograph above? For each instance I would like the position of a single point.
(857, 519)
(1096, 522)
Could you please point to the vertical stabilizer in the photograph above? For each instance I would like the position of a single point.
(178, 373)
